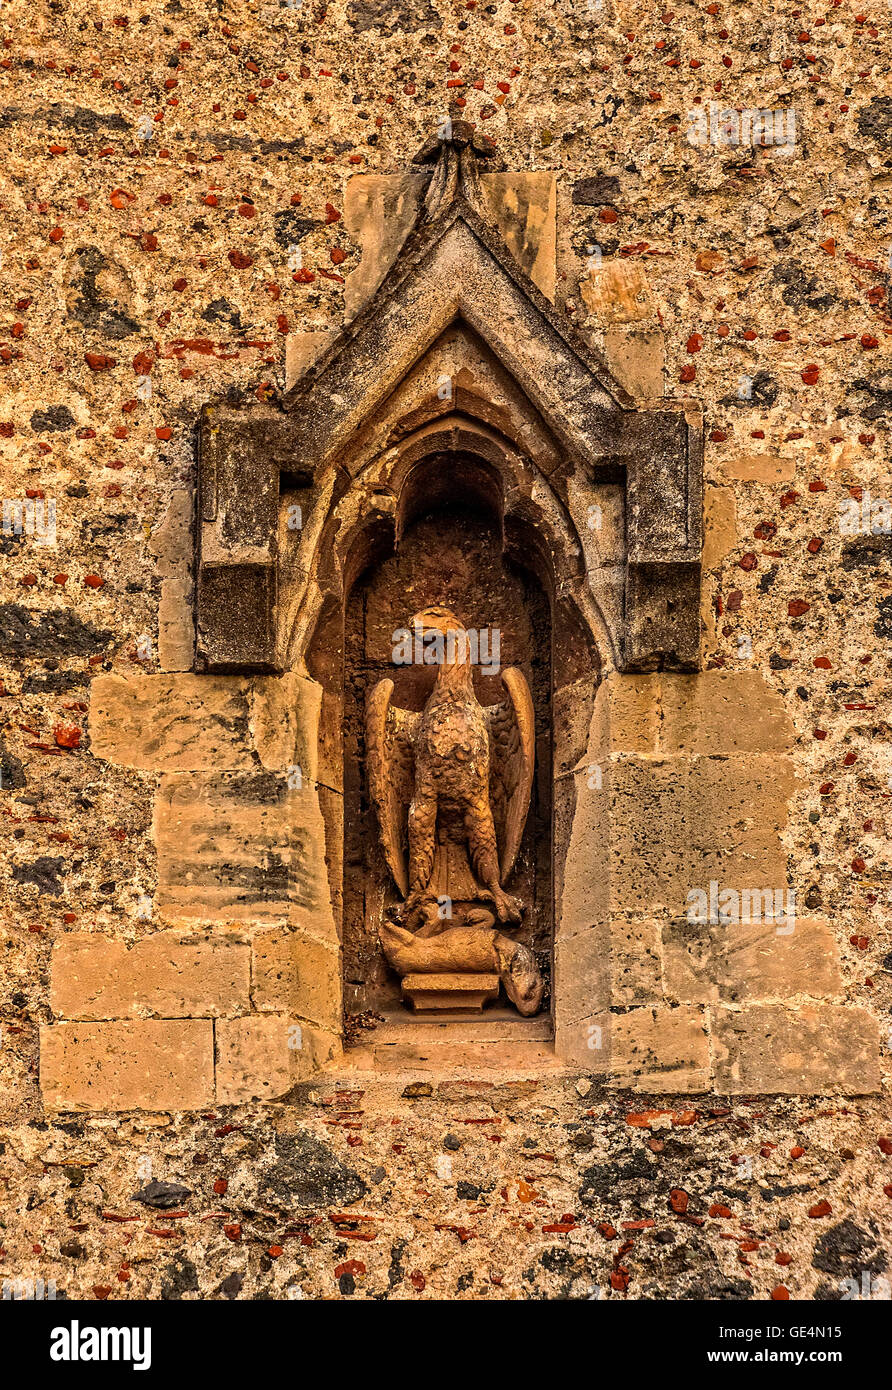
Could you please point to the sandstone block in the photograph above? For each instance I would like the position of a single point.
(167, 974)
(618, 292)
(171, 542)
(379, 212)
(177, 722)
(774, 1049)
(302, 350)
(719, 819)
(637, 357)
(260, 1058)
(744, 961)
(649, 1049)
(155, 1064)
(284, 721)
(720, 525)
(759, 468)
(660, 1049)
(297, 975)
(609, 965)
(176, 626)
(242, 846)
(524, 208)
(722, 712)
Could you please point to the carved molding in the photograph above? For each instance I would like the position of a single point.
(453, 273)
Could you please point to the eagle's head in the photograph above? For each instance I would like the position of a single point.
(445, 643)
(436, 619)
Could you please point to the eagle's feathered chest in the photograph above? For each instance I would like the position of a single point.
(453, 743)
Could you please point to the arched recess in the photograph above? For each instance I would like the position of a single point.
(452, 479)
(457, 364)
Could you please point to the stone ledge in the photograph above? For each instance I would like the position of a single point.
(168, 975)
(156, 1064)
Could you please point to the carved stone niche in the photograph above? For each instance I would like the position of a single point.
(456, 444)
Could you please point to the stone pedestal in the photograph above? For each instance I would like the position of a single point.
(438, 992)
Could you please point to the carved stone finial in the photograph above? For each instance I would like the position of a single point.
(454, 151)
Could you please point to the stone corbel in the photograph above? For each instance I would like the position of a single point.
(240, 458)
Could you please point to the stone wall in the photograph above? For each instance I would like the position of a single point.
(179, 226)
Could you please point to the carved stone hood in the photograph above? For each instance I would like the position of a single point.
(453, 270)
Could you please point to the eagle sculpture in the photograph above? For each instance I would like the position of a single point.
(452, 783)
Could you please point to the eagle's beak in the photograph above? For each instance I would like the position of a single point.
(436, 619)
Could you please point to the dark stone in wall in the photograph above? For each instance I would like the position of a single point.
(308, 1174)
(866, 551)
(883, 625)
(55, 633)
(221, 311)
(291, 225)
(55, 417)
(879, 393)
(381, 14)
(12, 773)
(594, 192)
(875, 120)
(94, 309)
(44, 873)
(847, 1249)
(801, 290)
(179, 1277)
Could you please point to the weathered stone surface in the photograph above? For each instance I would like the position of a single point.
(744, 961)
(171, 723)
(618, 292)
(719, 713)
(379, 211)
(284, 723)
(523, 207)
(769, 1048)
(260, 1058)
(186, 723)
(169, 975)
(157, 1064)
(301, 351)
(661, 1049)
(172, 541)
(295, 974)
(604, 966)
(242, 846)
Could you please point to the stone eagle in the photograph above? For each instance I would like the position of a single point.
(453, 781)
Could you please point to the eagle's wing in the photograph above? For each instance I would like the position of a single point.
(390, 738)
(512, 748)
